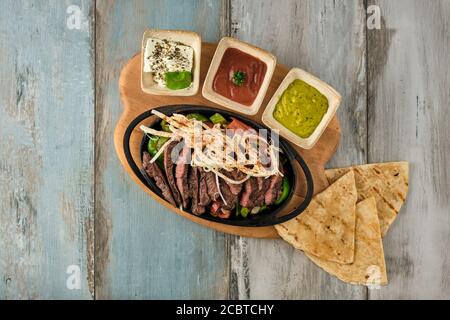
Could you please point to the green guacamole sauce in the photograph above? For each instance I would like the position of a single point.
(301, 108)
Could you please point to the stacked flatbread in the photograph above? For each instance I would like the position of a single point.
(386, 182)
(341, 229)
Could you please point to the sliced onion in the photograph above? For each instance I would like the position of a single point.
(156, 132)
(210, 152)
(255, 210)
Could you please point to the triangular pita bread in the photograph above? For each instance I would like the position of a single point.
(368, 267)
(387, 182)
(327, 227)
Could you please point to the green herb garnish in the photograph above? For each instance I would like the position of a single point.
(178, 80)
(239, 78)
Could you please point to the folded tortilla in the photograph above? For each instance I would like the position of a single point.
(368, 267)
(326, 228)
(387, 182)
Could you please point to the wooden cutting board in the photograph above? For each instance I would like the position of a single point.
(135, 102)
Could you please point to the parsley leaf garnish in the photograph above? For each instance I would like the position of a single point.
(239, 78)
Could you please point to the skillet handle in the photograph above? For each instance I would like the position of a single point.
(309, 190)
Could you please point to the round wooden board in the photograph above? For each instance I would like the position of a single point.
(135, 102)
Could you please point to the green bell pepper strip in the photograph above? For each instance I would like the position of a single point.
(151, 146)
(161, 142)
(285, 189)
(197, 116)
(165, 126)
(244, 212)
(154, 144)
(218, 118)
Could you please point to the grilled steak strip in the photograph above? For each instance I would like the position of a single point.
(196, 208)
(274, 189)
(212, 185)
(155, 172)
(250, 193)
(169, 167)
(235, 175)
(254, 192)
(263, 184)
(203, 197)
(181, 175)
(215, 208)
(230, 198)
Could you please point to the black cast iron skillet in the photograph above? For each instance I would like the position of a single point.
(272, 216)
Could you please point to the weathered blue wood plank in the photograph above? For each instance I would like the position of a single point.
(326, 38)
(142, 249)
(46, 149)
(409, 120)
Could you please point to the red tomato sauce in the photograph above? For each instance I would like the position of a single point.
(234, 60)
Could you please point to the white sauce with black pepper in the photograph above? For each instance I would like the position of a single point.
(163, 56)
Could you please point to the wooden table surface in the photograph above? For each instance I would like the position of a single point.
(66, 203)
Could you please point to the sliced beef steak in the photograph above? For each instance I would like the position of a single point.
(263, 184)
(254, 192)
(235, 175)
(196, 208)
(250, 193)
(274, 189)
(181, 175)
(155, 172)
(212, 185)
(169, 167)
(230, 198)
(203, 197)
(216, 208)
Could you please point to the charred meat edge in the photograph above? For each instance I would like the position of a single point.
(203, 197)
(274, 189)
(155, 172)
(263, 184)
(235, 175)
(249, 193)
(181, 175)
(213, 192)
(196, 208)
(230, 198)
(169, 167)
